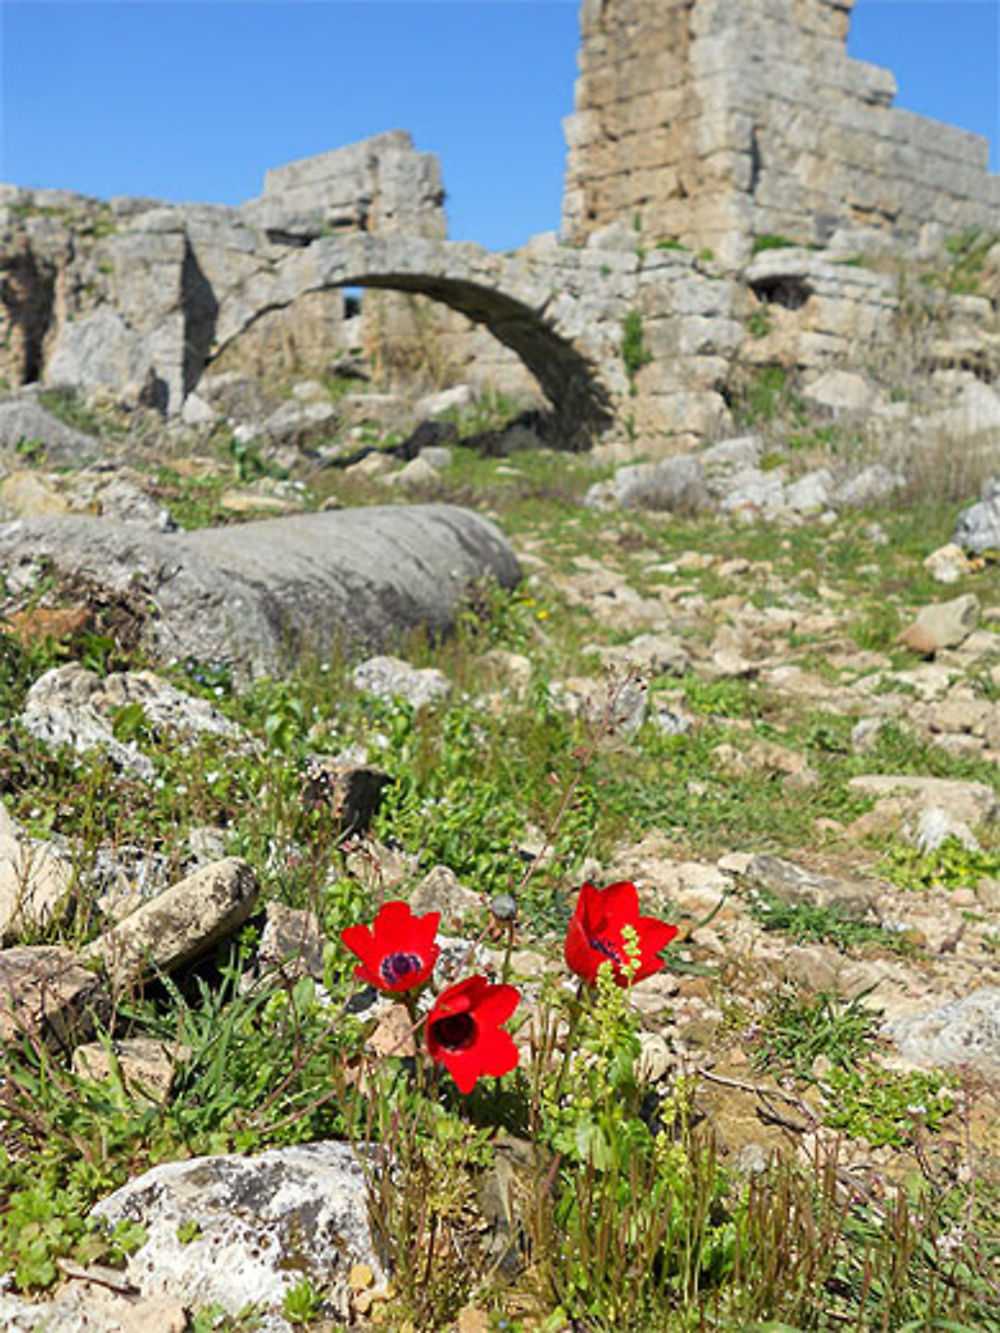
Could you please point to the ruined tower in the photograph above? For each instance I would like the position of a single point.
(710, 122)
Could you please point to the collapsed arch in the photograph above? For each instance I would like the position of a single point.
(566, 375)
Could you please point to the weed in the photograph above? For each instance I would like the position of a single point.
(635, 353)
(952, 865)
(804, 923)
(760, 322)
(771, 241)
(302, 1302)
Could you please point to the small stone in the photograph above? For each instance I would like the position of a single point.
(360, 1277)
(941, 625)
(45, 991)
(948, 564)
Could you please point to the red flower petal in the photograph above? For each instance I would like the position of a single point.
(397, 951)
(464, 1033)
(596, 934)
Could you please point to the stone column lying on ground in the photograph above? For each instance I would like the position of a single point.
(259, 595)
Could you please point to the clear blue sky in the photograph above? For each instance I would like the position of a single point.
(193, 99)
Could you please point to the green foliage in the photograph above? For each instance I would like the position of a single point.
(968, 253)
(952, 865)
(302, 1302)
(805, 923)
(771, 241)
(66, 404)
(250, 463)
(767, 395)
(795, 1031)
(760, 322)
(635, 353)
(885, 1107)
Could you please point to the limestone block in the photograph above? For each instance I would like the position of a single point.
(46, 992)
(178, 925)
(260, 1226)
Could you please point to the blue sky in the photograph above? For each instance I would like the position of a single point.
(193, 99)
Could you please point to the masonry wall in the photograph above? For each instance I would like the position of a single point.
(713, 121)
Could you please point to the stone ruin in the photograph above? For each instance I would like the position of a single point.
(712, 122)
(701, 127)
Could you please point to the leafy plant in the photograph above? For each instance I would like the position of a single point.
(635, 353)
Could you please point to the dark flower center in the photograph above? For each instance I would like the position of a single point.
(608, 949)
(455, 1033)
(397, 966)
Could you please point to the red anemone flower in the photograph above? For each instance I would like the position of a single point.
(397, 950)
(464, 1032)
(595, 934)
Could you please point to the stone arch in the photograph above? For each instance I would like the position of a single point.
(509, 298)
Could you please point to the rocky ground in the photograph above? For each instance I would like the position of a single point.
(762, 681)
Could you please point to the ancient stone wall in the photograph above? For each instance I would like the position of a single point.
(711, 122)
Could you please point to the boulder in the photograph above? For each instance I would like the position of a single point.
(942, 625)
(22, 419)
(70, 705)
(178, 925)
(392, 678)
(977, 528)
(963, 1032)
(35, 886)
(101, 352)
(233, 1231)
(258, 595)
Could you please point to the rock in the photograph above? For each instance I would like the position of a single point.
(259, 594)
(942, 625)
(73, 706)
(869, 487)
(25, 495)
(617, 707)
(675, 484)
(122, 500)
(292, 941)
(35, 887)
(971, 803)
(795, 886)
(350, 794)
(198, 413)
(415, 474)
(23, 420)
(87, 1306)
(751, 492)
(146, 1066)
(441, 891)
(658, 654)
(811, 493)
(437, 455)
(46, 992)
(455, 399)
(841, 392)
(178, 925)
(392, 678)
(259, 1225)
(935, 826)
(100, 352)
(948, 564)
(963, 1032)
(977, 528)
(298, 423)
(511, 671)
